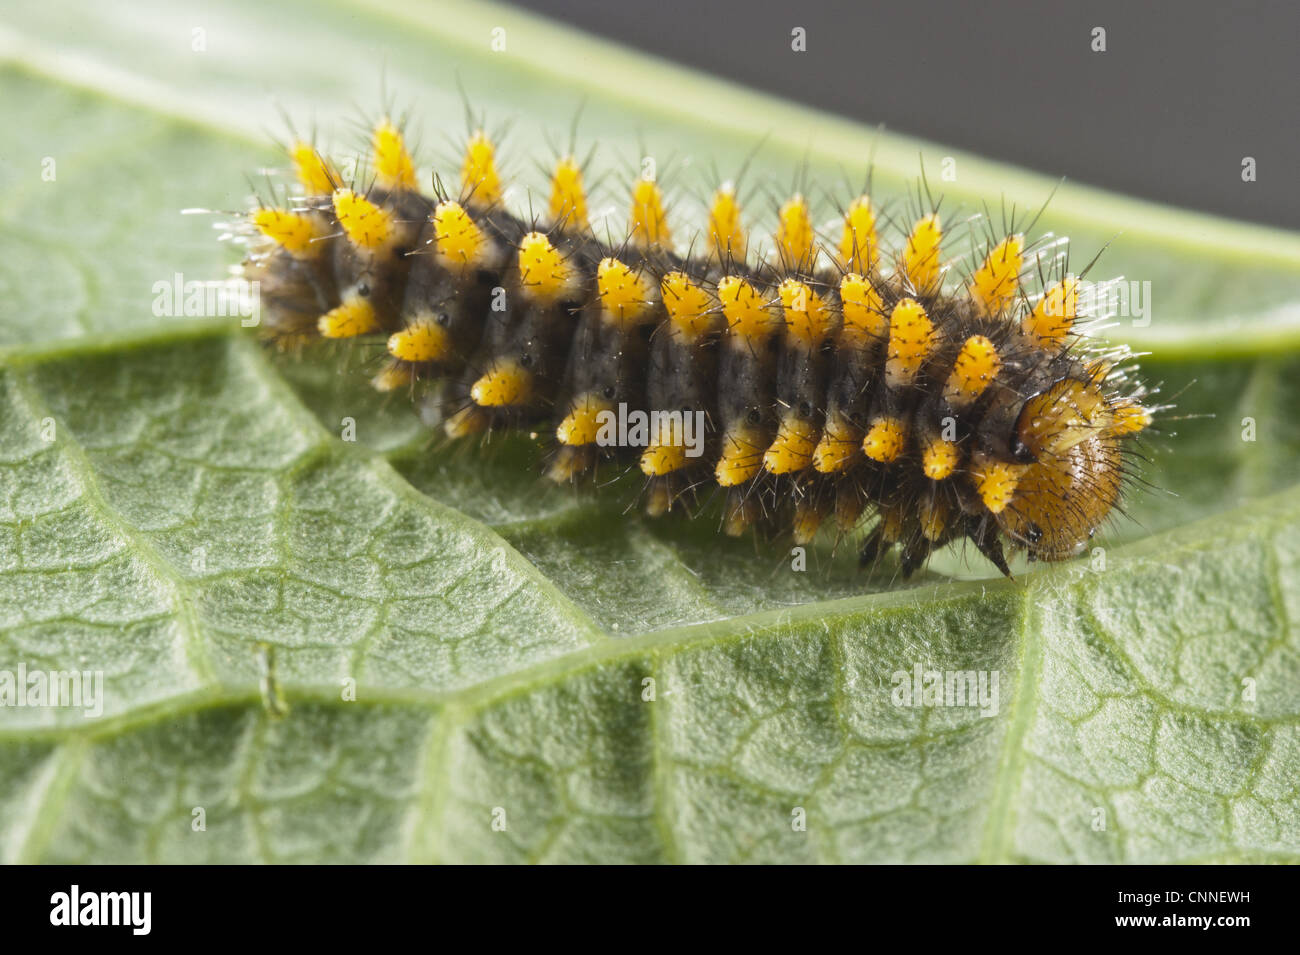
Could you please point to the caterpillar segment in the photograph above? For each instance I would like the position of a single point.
(314, 173)
(295, 274)
(648, 227)
(680, 383)
(606, 365)
(479, 179)
(920, 264)
(568, 202)
(727, 239)
(831, 384)
(859, 248)
(371, 263)
(996, 284)
(796, 240)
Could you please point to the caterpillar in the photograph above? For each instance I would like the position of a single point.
(837, 379)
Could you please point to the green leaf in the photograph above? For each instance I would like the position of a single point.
(178, 511)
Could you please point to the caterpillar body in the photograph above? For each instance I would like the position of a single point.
(835, 380)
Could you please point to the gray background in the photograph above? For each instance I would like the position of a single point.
(1184, 91)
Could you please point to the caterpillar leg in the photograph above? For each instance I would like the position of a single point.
(988, 542)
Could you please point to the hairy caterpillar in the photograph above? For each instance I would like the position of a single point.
(835, 378)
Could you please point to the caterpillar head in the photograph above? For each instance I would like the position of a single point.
(1067, 439)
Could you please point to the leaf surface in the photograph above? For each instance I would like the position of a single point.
(178, 511)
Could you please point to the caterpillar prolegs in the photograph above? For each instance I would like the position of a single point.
(836, 379)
